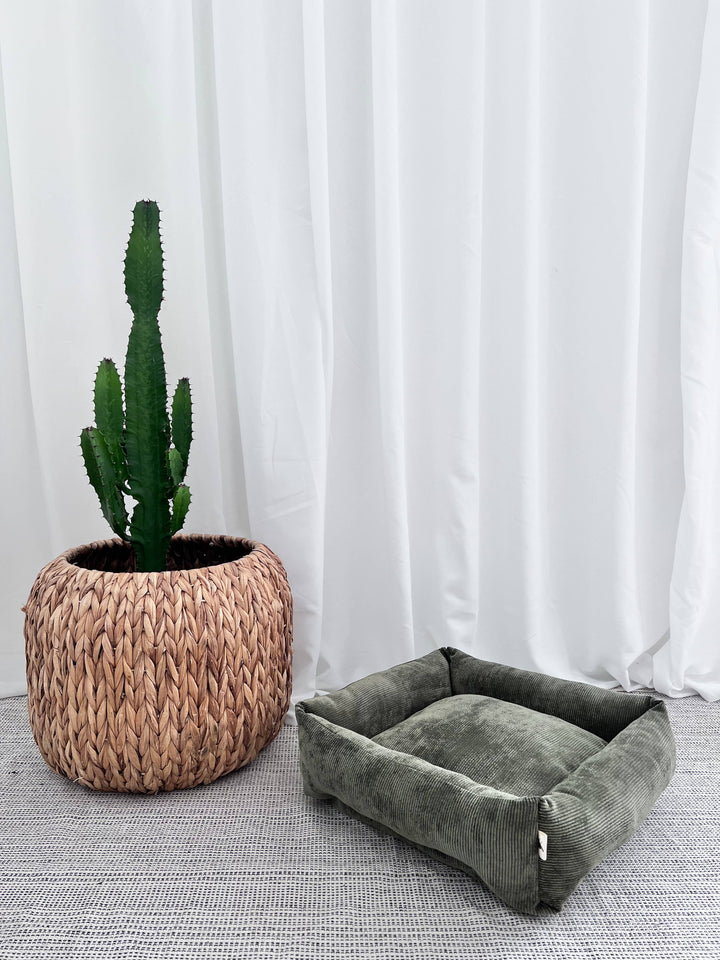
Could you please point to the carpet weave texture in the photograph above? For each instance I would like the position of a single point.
(247, 867)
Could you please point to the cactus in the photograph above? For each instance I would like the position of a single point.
(138, 451)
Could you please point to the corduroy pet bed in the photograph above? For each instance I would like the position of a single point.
(523, 780)
(142, 682)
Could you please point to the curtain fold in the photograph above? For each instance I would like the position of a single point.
(424, 274)
(690, 661)
(391, 327)
(25, 531)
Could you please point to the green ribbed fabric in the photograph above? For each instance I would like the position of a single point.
(525, 753)
(602, 712)
(383, 699)
(601, 804)
(414, 751)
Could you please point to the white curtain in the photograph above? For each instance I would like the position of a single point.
(424, 273)
(691, 659)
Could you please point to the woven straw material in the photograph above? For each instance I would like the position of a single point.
(144, 682)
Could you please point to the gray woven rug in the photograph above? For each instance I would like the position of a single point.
(247, 867)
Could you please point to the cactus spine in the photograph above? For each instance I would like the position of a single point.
(138, 451)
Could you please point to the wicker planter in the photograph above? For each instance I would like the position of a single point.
(144, 682)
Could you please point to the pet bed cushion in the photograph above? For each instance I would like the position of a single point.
(503, 745)
(522, 780)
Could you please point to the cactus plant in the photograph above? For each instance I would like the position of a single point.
(137, 450)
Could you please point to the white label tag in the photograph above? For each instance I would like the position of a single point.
(543, 840)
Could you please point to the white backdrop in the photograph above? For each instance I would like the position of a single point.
(424, 270)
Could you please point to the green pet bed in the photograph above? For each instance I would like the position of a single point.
(522, 780)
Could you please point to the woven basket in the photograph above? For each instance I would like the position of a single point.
(144, 682)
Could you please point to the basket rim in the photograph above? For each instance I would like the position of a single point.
(66, 558)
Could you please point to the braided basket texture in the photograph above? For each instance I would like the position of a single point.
(144, 682)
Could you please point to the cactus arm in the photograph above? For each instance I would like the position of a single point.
(109, 413)
(177, 468)
(147, 428)
(182, 422)
(104, 479)
(181, 502)
(108, 401)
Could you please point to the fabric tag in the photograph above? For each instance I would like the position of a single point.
(542, 850)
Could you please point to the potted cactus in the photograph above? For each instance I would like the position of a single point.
(155, 660)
